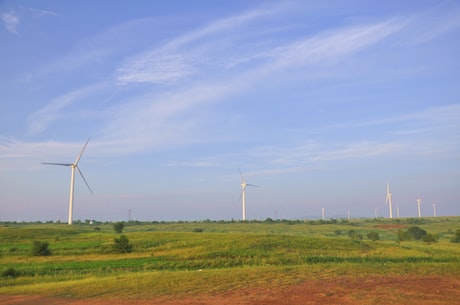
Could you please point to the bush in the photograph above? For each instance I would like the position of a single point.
(118, 226)
(373, 236)
(122, 245)
(416, 233)
(402, 235)
(10, 272)
(352, 234)
(430, 238)
(40, 248)
(456, 238)
(338, 232)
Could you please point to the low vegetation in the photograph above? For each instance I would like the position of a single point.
(93, 259)
(40, 248)
(122, 245)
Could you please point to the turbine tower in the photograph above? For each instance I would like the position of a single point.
(389, 200)
(243, 194)
(419, 205)
(74, 166)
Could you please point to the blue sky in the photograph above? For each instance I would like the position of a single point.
(318, 102)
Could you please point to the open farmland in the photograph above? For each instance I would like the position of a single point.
(235, 262)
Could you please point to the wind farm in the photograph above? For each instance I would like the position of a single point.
(241, 152)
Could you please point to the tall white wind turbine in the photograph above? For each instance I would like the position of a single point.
(389, 200)
(419, 206)
(74, 166)
(243, 194)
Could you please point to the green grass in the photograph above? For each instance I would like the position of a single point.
(185, 258)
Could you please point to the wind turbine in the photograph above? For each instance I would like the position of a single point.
(389, 200)
(243, 193)
(74, 166)
(419, 205)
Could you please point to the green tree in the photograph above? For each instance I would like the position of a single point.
(40, 248)
(122, 245)
(118, 227)
(373, 236)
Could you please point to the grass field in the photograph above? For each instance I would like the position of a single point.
(189, 258)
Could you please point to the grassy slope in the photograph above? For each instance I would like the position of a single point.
(172, 258)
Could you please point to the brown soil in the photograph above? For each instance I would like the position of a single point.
(346, 290)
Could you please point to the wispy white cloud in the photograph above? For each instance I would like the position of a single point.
(38, 12)
(170, 113)
(53, 111)
(169, 62)
(17, 154)
(439, 128)
(306, 154)
(335, 44)
(194, 164)
(11, 21)
(434, 23)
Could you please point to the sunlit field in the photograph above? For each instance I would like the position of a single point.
(189, 258)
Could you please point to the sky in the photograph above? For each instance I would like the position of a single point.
(318, 103)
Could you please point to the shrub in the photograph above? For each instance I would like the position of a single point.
(40, 248)
(430, 238)
(352, 234)
(10, 272)
(456, 238)
(122, 245)
(416, 233)
(402, 235)
(338, 232)
(373, 236)
(118, 226)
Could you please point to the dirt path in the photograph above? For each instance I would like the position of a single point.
(372, 290)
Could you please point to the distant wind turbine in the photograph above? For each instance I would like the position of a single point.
(74, 166)
(243, 193)
(434, 209)
(389, 200)
(419, 205)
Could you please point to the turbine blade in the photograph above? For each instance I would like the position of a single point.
(247, 184)
(81, 174)
(61, 164)
(81, 152)
(241, 175)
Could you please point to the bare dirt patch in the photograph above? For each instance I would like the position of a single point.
(346, 290)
